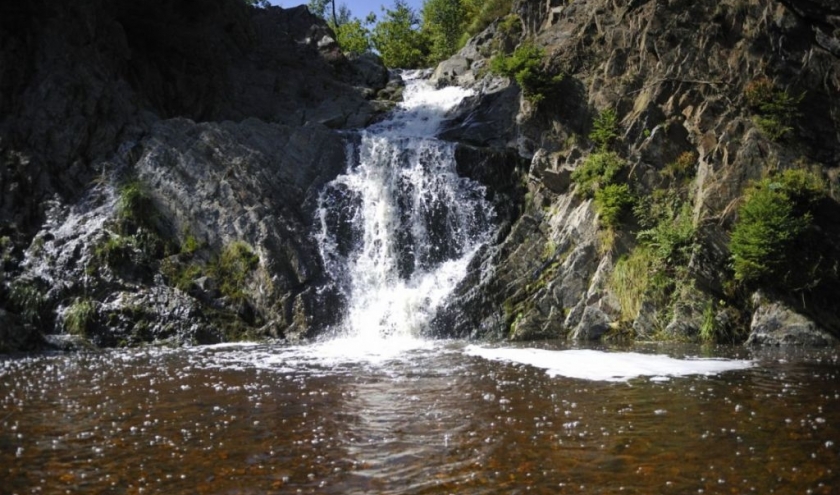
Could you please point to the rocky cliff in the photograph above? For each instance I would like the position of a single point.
(626, 232)
(158, 166)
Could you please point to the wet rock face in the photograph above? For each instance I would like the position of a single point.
(675, 73)
(221, 114)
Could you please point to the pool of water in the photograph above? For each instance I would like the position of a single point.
(426, 417)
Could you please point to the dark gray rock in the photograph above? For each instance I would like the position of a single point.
(14, 335)
(221, 111)
(594, 323)
(774, 323)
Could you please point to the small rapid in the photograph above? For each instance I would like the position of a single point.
(397, 230)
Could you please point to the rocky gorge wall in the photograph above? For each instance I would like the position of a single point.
(677, 76)
(159, 163)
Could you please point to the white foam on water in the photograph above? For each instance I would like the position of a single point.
(607, 366)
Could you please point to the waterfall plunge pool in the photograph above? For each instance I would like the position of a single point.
(415, 417)
(376, 410)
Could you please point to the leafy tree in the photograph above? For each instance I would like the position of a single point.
(257, 3)
(353, 37)
(443, 23)
(318, 7)
(397, 38)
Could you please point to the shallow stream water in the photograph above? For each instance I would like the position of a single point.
(424, 417)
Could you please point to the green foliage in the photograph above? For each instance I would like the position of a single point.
(630, 281)
(708, 328)
(611, 202)
(510, 25)
(137, 219)
(397, 38)
(257, 3)
(80, 316)
(598, 170)
(29, 300)
(443, 22)
(604, 129)
(682, 168)
(181, 274)
(769, 242)
(190, 244)
(352, 37)
(480, 13)
(525, 66)
(776, 109)
(135, 207)
(114, 251)
(231, 269)
(667, 226)
(318, 7)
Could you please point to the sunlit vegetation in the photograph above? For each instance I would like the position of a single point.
(80, 316)
(604, 129)
(774, 241)
(526, 66)
(597, 171)
(775, 109)
(406, 38)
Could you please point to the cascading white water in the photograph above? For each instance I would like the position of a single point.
(399, 227)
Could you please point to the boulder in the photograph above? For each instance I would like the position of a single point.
(775, 323)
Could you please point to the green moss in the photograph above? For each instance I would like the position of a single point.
(181, 274)
(232, 268)
(114, 251)
(190, 244)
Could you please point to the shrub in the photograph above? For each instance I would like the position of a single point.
(611, 201)
(28, 299)
(768, 242)
(232, 268)
(598, 170)
(776, 109)
(667, 226)
(114, 251)
(525, 66)
(135, 208)
(480, 13)
(604, 129)
(80, 316)
(683, 167)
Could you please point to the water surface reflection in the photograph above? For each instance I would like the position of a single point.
(430, 419)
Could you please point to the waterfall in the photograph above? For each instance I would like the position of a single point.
(397, 230)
